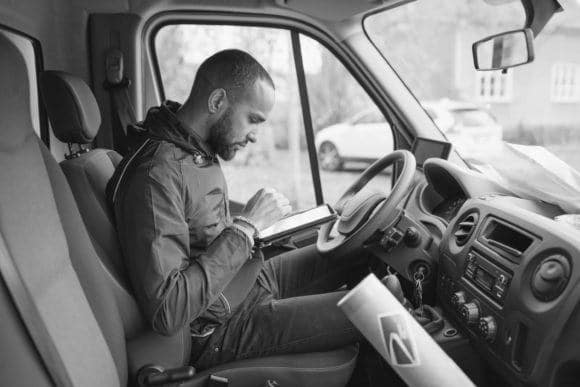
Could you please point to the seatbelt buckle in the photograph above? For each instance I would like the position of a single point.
(217, 381)
(158, 376)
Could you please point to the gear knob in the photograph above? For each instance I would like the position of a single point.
(392, 283)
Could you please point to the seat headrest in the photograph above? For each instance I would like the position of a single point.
(71, 107)
(15, 113)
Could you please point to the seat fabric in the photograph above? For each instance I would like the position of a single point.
(96, 258)
(80, 316)
(88, 175)
(331, 368)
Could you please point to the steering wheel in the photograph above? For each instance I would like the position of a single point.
(361, 214)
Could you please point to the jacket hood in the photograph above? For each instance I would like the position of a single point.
(161, 123)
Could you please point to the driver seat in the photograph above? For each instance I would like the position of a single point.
(131, 343)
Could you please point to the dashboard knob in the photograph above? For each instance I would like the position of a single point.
(488, 328)
(458, 299)
(550, 278)
(412, 237)
(469, 313)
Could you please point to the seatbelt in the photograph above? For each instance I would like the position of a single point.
(32, 320)
(123, 113)
(123, 173)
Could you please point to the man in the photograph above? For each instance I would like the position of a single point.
(189, 262)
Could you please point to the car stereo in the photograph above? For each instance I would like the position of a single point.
(477, 298)
(487, 276)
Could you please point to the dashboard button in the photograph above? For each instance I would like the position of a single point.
(502, 279)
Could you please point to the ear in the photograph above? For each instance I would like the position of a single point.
(217, 100)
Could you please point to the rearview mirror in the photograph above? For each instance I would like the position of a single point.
(505, 50)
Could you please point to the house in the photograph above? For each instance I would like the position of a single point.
(550, 103)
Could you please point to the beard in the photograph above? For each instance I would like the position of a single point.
(220, 137)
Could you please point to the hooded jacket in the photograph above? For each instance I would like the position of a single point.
(172, 216)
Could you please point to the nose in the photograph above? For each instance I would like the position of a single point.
(251, 137)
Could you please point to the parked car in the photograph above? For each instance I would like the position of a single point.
(365, 137)
(470, 127)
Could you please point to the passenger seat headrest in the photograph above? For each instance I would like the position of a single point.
(71, 107)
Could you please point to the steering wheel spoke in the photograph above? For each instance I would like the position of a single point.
(361, 215)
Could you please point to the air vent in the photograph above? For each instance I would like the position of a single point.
(465, 228)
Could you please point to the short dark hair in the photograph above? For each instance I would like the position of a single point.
(231, 70)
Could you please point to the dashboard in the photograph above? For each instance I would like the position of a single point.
(505, 273)
(507, 277)
(449, 207)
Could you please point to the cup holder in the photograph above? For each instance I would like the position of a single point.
(450, 332)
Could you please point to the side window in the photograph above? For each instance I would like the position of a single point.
(278, 159)
(26, 47)
(350, 131)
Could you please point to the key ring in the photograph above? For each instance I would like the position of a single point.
(419, 276)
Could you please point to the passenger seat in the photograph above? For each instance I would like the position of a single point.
(76, 118)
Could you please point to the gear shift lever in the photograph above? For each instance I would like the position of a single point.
(430, 320)
(392, 283)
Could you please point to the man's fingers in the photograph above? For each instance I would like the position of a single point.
(286, 210)
(267, 206)
(253, 200)
(283, 201)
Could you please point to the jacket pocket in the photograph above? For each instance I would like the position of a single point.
(210, 220)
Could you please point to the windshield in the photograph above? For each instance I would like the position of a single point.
(428, 43)
(472, 117)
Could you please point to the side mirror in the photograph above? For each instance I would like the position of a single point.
(505, 50)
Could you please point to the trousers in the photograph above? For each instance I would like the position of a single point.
(292, 308)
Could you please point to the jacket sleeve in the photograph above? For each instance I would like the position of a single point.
(172, 289)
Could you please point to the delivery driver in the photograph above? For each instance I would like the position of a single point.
(182, 249)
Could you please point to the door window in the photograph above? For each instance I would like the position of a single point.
(350, 131)
(280, 159)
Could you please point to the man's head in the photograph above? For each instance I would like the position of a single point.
(237, 94)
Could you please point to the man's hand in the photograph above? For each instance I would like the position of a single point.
(266, 207)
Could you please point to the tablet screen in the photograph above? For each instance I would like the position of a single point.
(298, 221)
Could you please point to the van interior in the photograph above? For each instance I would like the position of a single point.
(501, 273)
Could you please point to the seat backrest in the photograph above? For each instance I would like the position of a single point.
(88, 174)
(49, 245)
(75, 119)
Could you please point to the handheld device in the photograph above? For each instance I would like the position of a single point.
(296, 222)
